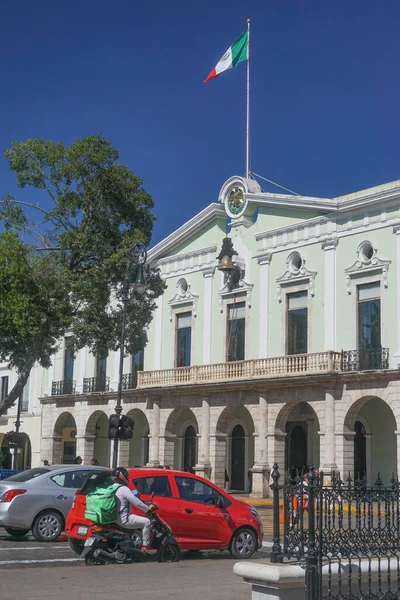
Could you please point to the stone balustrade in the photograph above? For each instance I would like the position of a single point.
(295, 364)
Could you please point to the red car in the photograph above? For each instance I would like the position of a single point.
(200, 514)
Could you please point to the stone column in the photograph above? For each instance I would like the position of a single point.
(123, 448)
(329, 247)
(155, 435)
(330, 450)
(207, 312)
(260, 487)
(203, 467)
(218, 458)
(264, 260)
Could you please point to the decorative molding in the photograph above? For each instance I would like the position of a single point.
(330, 243)
(291, 277)
(187, 255)
(242, 288)
(208, 272)
(364, 266)
(357, 268)
(264, 258)
(181, 298)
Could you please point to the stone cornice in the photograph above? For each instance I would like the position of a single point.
(211, 213)
(186, 255)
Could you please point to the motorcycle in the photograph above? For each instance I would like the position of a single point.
(114, 544)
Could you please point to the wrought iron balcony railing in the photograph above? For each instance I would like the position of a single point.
(62, 388)
(96, 384)
(129, 381)
(365, 360)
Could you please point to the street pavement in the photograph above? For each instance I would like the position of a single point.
(31, 570)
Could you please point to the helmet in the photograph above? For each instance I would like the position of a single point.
(121, 474)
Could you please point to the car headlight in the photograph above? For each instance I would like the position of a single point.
(255, 513)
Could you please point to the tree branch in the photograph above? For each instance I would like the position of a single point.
(37, 207)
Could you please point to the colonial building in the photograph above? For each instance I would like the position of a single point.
(276, 342)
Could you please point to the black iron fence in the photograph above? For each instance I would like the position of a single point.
(346, 533)
(61, 388)
(96, 384)
(366, 359)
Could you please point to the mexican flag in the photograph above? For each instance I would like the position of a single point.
(237, 53)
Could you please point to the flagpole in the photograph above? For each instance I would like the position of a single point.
(248, 103)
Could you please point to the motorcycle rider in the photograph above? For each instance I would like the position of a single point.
(125, 499)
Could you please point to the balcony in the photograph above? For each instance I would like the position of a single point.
(63, 388)
(96, 384)
(263, 368)
(258, 368)
(365, 360)
(129, 381)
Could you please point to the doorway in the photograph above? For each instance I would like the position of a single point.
(360, 451)
(297, 448)
(190, 449)
(238, 451)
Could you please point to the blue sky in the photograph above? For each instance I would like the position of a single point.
(325, 91)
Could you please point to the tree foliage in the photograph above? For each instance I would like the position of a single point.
(63, 260)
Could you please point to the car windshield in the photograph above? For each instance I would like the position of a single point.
(27, 475)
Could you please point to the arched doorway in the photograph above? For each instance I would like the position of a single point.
(177, 424)
(189, 449)
(296, 444)
(296, 448)
(235, 442)
(360, 451)
(16, 451)
(370, 440)
(101, 449)
(139, 444)
(64, 440)
(97, 444)
(238, 463)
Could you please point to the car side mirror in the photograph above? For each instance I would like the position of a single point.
(219, 502)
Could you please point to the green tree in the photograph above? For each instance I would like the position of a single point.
(63, 259)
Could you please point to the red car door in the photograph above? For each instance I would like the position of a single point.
(202, 524)
(159, 484)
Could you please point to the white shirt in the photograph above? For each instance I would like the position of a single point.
(125, 499)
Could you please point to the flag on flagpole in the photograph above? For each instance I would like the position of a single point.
(237, 53)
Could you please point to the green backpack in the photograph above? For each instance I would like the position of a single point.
(101, 505)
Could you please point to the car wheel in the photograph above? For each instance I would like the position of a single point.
(17, 533)
(243, 544)
(76, 545)
(48, 526)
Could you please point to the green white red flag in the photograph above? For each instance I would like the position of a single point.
(238, 52)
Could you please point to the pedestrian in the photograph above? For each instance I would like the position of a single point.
(77, 460)
(94, 462)
(250, 480)
(226, 480)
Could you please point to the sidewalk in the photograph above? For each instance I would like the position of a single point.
(253, 501)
